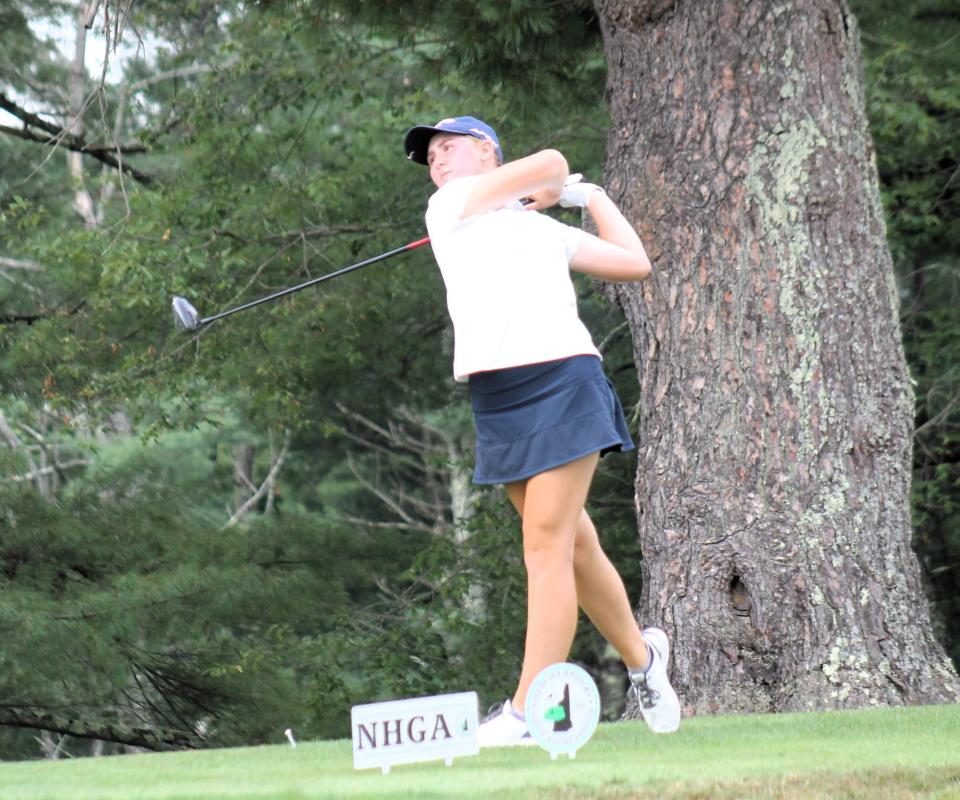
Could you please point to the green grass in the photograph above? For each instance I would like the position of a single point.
(883, 753)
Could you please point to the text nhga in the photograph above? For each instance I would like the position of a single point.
(392, 731)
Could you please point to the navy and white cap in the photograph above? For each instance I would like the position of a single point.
(417, 139)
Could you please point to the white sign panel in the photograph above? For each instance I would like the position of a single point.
(562, 709)
(443, 726)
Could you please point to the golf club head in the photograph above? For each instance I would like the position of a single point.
(185, 316)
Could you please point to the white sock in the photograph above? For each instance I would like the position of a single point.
(638, 671)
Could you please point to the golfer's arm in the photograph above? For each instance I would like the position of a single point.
(616, 253)
(546, 169)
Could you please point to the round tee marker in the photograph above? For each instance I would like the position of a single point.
(562, 709)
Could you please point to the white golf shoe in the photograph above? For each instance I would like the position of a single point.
(659, 704)
(503, 728)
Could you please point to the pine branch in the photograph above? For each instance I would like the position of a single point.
(158, 739)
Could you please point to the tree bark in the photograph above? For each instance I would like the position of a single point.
(82, 199)
(776, 428)
(243, 481)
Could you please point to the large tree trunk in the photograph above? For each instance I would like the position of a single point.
(776, 431)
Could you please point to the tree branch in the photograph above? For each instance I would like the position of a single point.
(60, 137)
(10, 437)
(19, 283)
(395, 435)
(264, 487)
(91, 13)
(369, 523)
(15, 263)
(29, 319)
(150, 738)
(74, 143)
(37, 473)
(382, 496)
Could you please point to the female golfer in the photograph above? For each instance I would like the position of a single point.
(544, 410)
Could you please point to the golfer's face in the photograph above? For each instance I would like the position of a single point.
(452, 155)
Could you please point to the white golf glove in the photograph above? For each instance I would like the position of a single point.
(576, 194)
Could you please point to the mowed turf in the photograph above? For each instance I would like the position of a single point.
(881, 753)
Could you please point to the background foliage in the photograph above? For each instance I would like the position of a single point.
(207, 539)
(913, 101)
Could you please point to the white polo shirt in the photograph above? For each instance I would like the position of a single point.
(507, 274)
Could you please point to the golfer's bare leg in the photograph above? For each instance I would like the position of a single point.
(600, 590)
(552, 504)
(603, 598)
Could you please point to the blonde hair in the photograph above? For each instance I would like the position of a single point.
(480, 140)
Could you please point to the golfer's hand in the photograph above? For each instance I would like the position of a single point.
(541, 199)
(576, 194)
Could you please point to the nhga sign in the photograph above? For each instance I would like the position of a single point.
(420, 729)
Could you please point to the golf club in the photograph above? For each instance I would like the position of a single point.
(187, 318)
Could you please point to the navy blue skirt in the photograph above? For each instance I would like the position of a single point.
(533, 418)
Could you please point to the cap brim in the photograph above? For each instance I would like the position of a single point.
(417, 141)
